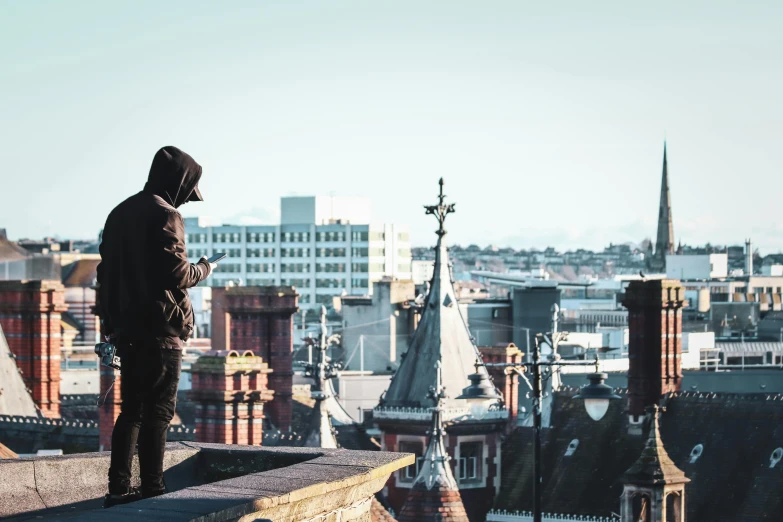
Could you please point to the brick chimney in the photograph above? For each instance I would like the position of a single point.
(260, 319)
(230, 390)
(30, 313)
(506, 382)
(655, 341)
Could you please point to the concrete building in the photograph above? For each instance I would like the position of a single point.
(707, 266)
(325, 247)
(378, 328)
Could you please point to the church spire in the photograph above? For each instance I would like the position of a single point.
(664, 243)
(442, 335)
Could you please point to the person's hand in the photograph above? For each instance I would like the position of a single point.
(210, 266)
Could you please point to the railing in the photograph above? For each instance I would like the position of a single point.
(425, 414)
(527, 516)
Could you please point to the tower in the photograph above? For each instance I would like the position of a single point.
(664, 243)
(434, 496)
(655, 341)
(748, 257)
(404, 412)
(654, 487)
(260, 319)
(30, 314)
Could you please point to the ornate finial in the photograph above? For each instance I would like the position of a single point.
(438, 392)
(441, 210)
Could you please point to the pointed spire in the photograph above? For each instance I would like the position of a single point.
(654, 467)
(442, 334)
(664, 243)
(435, 490)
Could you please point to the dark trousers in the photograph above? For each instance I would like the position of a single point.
(150, 376)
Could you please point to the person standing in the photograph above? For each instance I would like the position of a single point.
(146, 312)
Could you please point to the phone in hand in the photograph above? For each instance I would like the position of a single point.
(217, 256)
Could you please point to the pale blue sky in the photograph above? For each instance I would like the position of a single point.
(545, 118)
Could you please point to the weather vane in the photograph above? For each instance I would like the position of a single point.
(441, 210)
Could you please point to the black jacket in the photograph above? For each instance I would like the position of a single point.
(144, 271)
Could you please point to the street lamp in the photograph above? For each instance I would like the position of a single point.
(481, 393)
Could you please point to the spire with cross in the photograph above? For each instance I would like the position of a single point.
(441, 210)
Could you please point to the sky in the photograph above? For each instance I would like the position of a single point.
(546, 119)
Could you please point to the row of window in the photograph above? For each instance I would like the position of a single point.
(356, 268)
(292, 237)
(468, 468)
(298, 283)
(260, 267)
(330, 283)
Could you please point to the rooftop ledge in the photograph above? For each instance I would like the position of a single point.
(208, 482)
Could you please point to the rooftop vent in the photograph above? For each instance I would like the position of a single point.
(572, 447)
(696, 452)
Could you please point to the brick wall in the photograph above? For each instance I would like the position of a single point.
(655, 341)
(30, 314)
(229, 391)
(260, 319)
(505, 381)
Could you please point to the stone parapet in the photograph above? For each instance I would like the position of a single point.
(208, 482)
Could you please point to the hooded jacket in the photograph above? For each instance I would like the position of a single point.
(144, 271)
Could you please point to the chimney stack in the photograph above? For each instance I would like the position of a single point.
(655, 341)
(30, 314)
(748, 257)
(260, 319)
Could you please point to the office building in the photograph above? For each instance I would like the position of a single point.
(323, 246)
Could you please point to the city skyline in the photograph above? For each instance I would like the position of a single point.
(539, 145)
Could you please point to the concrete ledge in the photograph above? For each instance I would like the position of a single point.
(209, 482)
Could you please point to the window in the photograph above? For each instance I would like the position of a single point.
(295, 237)
(359, 252)
(294, 252)
(360, 283)
(234, 252)
(330, 283)
(471, 458)
(377, 267)
(404, 268)
(409, 474)
(324, 299)
(377, 252)
(330, 267)
(260, 252)
(404, 252)
(260, 267)
(260, 237)
(197, 238)
(297, 283)
(359, 268)
(304, 299)
(377, 236)
(403, 236)
(228, 268)
(295, 267)
(330, 252)
(329, 237)
(359, 236)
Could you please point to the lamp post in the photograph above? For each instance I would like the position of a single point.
(596, 395)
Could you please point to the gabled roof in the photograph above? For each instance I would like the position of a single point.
(442, 335)
(10, 251)
(81, 273)
(14, 397)
(724, 443)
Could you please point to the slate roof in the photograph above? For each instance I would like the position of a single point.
(731, 480)
(14, 397)
(10, 251)
(80, 273)
(442, 335)
(378, 512)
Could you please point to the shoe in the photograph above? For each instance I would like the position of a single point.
(151, 494)
(111, 500)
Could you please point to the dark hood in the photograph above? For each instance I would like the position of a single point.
(174, 176)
